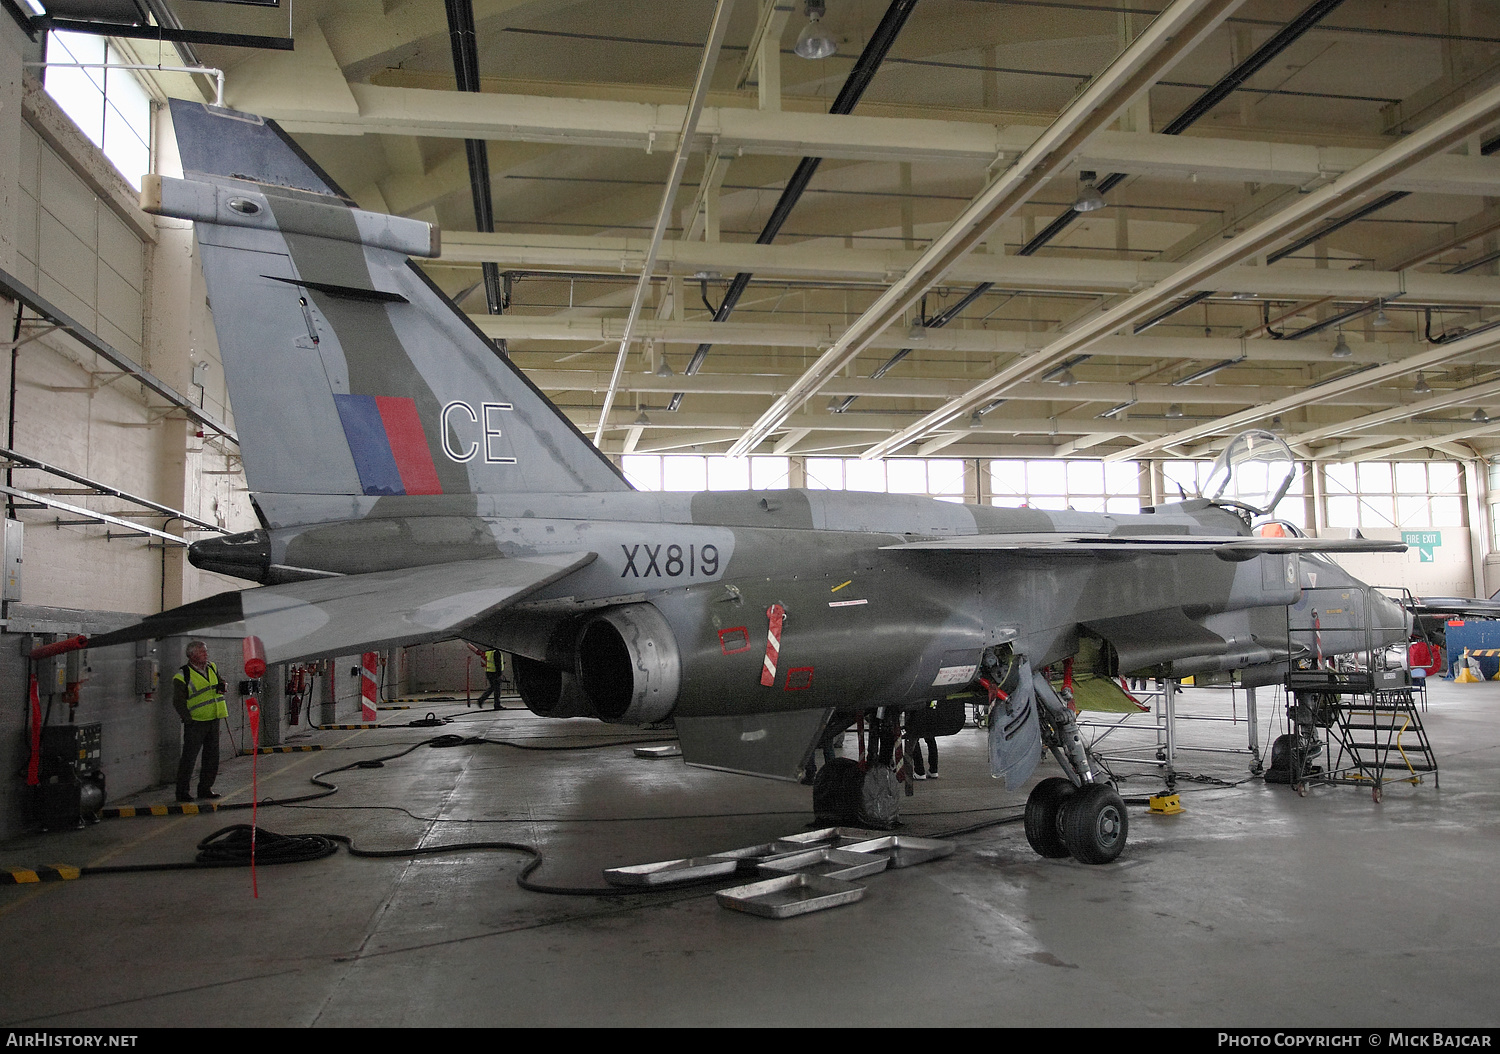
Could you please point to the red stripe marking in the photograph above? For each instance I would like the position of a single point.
(777, 614)
(408, 444)
(367, 686)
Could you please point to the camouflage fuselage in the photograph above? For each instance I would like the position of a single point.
(867, 623)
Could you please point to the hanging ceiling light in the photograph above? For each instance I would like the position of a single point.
(918, 331)
(1381, 318)
(641, 420)
(1277, 426)
(1174, 410)
(1089, 197)
(664, 368)
(976, 419)
(1421, 387)
(815, 42)
(1480, 418)
(1066, 379)
(1342, 350)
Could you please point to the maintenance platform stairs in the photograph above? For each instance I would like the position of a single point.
(1372, 727)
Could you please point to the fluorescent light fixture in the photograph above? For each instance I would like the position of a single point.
(1207, 371)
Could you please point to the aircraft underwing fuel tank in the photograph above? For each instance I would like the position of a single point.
(414, 486)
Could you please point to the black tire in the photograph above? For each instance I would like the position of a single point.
(1043, 816)
(1094, 824)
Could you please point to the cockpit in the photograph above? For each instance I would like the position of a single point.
(1252, 474)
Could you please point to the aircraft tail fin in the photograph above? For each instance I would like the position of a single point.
(349, 372)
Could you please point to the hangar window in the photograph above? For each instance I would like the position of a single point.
(695, 472)
(1405, 495)
(1083, 486)
(110, 106)
(941, 478)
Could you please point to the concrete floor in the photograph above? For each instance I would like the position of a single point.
(1254, 907)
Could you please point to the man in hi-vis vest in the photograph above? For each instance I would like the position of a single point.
(198, 697)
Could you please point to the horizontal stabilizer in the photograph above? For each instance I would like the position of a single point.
(356, 613)
(1225, 547)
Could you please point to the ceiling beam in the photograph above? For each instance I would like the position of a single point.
(1171, 35)
(1435, 355)
(929, 387)
(1440, 135)
(1436, 401)
(651, 126)
(706, 64)
(611, 255)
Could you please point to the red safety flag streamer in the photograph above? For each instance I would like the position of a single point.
(777, 614)
(255, 668)
(367, 684)
(33, 766)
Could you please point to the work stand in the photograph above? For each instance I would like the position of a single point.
(1371, 729)
(1357, 712)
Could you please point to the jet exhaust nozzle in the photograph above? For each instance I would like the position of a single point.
(628, 665)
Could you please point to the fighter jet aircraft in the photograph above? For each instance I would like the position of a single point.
(413, 485)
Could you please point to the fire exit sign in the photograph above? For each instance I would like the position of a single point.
(1424, 542)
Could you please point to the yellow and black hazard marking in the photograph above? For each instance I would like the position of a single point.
(302, 748)
(20, 876)
(333, 728)
(1485, 653)
(186, 808)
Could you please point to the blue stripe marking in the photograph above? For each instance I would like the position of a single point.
(368, 442)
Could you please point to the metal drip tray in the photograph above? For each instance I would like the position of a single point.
(669, 750)
(903, 850)
(670, 872)
(834, 837)
(748, 857)
(780, 898)
(827, 863)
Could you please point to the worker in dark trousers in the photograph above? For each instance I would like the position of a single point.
(198, 698)
(494, 670)
(919, 729)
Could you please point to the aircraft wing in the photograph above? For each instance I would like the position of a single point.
(356, 613)
(1225, 547)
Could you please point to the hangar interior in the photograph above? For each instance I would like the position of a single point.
(855, 287)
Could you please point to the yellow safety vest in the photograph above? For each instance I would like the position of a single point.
(492, 662)
(205, 693)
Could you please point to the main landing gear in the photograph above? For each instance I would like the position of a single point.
(1082, 817)
(1088, 823)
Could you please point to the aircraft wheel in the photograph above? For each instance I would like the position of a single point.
(1094, 825)
(1043, 815)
